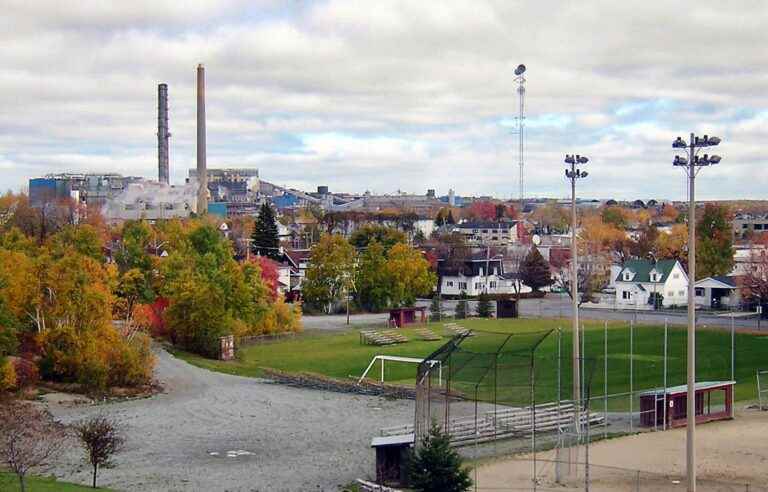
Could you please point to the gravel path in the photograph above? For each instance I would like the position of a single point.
(285, 439)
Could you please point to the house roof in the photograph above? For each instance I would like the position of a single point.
(643, 268)
(487, 225)
(726, 280)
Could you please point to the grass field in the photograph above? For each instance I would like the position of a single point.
(340, 355)
(10, 483)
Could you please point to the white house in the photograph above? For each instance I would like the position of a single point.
(638, 280)
(718, 292)
(477, 276)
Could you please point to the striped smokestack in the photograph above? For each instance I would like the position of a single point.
(162, 134)
(202, 171)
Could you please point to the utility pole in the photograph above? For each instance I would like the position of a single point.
(573, 174)
(692, 163)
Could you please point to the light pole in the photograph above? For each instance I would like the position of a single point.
(573, 174)
(692, 164)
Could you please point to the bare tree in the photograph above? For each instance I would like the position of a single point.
(592, 276)
(102, 439)
(29, 439)
(754, 282)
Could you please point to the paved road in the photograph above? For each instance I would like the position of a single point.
(298, 439)
(339, 321)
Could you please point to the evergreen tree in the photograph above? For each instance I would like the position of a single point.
(534, 271)
(484, 308)
(265, 241)
(461, 309)
(436, 467)
(436, 308)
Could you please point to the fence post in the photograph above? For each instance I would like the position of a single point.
(733, 349)
(637, 481)
(605, 379)
(631, 373)
(664, 416)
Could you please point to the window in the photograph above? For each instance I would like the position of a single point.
(654, 277)
(671, 294)
(463, 285)
(681, 293)
(493, 284)
(449, 283)
(627, 276)
(699, 292)
(478, 285)
(626, 294)
(758, 227)
(675, 275)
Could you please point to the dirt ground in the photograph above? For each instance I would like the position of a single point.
(730, 455)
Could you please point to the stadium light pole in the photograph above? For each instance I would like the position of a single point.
(692, 164)
(573, 173)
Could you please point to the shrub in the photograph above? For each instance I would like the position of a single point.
(461, 309)
(95, 359)
(484, 308)
(26, 372)
(7, 375)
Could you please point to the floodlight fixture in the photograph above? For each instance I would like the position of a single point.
(715, 159)
(713, 141)
(520, 70)
(679, 144)
(569, 159)
(680, 161)
(584, 174)
(582, 159)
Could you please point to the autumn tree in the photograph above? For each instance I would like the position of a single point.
(754, 283)
(714, 244)
(673, 244)
(481, 210)
(646, 242)
(534, 270)
(444, 216)
(331, 271)
(372, 286)
(102, 439)
(552, 218)
(265, 240)
(614, 216)
(409, 275)
(385, 236)
(29, 440)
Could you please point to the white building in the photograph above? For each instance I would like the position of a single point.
(720, 292)
(489, 233)
(152, 200)
(477, 276)
(638, 280)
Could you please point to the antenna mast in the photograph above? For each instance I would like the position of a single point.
(520, 79)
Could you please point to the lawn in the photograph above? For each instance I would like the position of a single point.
(10, 483)
(340, 355)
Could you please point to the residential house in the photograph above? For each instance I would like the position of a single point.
(476, 276)
(719, 292)
(638, 280)
(489, 233)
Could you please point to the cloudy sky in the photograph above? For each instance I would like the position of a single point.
(390, 95)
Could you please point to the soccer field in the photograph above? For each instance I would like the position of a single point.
(340, 355)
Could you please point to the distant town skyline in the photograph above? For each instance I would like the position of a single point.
(387, 96)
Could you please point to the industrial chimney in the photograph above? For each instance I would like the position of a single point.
(202, 171)
(162, 133)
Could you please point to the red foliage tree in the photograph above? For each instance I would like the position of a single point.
(482, 211)
(269, 274)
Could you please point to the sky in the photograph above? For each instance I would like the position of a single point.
(391, 96)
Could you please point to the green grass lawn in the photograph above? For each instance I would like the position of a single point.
(340, 355)
(10, 483)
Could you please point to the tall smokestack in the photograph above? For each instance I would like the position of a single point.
(162, 133)
(202, 172)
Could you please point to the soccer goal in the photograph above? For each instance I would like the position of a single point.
(394, 358)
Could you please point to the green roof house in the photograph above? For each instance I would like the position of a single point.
(640, 281)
